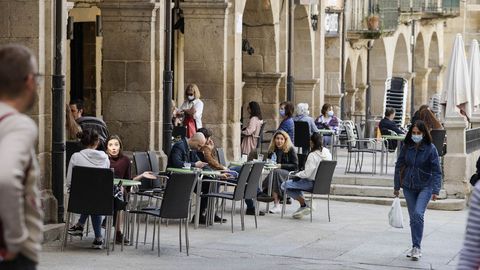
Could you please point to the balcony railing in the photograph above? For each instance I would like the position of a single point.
(412, 5)
(443, 7)
(372, 19)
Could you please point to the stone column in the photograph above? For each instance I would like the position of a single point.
(350, 94)
(421, 86)
(377, 96)
(263, 88)
(129, 71)
(206, 63)
(305, 93)
(456, 161)
(360, 99)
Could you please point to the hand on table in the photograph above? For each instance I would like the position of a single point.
(200, 164)
(149, 175)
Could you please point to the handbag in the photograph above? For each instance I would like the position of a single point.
(191, 126)
(474, 179)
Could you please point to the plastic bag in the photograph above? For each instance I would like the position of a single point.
(395, 216)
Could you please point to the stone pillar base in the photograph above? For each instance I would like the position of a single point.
(305, 92)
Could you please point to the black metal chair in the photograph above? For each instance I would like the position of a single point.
(176, 204)
(252, 186)
(302, 136)
(358, 147)
(91, 193)
(321, 186)
(438, 139)
(221, 156)
(237, 195)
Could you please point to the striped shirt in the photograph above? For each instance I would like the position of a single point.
(470, 254)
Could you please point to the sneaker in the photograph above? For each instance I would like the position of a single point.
(416, 254)
(305, 210)
(97, 244)
(409, 253)
(251, 212)
(118, 239)
(75, 230)
(277, 209)
(263, 197)
(217, 219)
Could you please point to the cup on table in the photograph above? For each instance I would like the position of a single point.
(260, 157)
(244, 158)
(187, 165)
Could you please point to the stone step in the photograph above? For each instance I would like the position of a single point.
(446, 204)
(53, 232)
(369, 191)
(363, 180)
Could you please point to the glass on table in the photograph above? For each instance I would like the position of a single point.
(260, 157)
(187, 165)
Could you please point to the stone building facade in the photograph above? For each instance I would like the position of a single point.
(116, 66)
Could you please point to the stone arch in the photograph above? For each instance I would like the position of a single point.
(378, 75)
(360, 85)
(349, 90)
(421, 71)
(303, 48)
(401, 56)
(260, 27)
(434, 79)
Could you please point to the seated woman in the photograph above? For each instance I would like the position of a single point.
(304, 180)
(387, 125)
(88, 157)
(122, 166)
(281, 151)
(327, 120)
(286, 116)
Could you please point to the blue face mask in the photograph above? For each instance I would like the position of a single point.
(417, 138)
(282, 113)
(330, 113)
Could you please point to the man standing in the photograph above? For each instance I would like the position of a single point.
(20, 212)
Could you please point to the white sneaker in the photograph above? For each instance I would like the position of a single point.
(409, 253)
(416, 253)
(301, 212)
(277, 209)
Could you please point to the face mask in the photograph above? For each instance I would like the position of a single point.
(282, 113)
(191, 97)
(417, 138)
(330, 113)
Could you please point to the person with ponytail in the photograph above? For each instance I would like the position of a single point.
(88, 157)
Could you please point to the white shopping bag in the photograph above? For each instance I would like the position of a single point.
(395, 216)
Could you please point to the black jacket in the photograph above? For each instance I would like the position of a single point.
(387, 124)
(180, 154)
(288, 161)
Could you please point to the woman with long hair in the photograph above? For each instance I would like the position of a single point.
(327, 120)
(304, 180)
(418, 173)
(282, 152)
(192, 109)
(88, 157)
(251, 133)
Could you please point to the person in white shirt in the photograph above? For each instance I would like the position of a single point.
(192, 108)
(304, 180)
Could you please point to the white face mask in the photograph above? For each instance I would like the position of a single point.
(192, 97)
(330, 113)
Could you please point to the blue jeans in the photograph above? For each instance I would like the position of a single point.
(294, 188)
(96, 223)
(417, 201)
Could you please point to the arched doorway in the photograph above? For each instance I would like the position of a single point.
(378, 75)
(434, 80)
(260, 59)
(302, 65)
(421, 71)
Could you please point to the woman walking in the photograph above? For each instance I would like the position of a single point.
(418, 172)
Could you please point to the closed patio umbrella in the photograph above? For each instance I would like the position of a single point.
(474, 68)
(456, 89)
